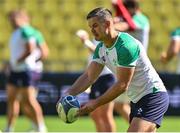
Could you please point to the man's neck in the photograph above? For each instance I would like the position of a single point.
(23, 24)
(111, 39)
(20, 25)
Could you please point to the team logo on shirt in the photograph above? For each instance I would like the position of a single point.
(103, 58)
(114, 62)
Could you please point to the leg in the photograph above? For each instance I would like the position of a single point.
(123, 109)
(12, 106)
(32, 107)
(103, 118)
(140, 125)
(103, 115)
(147, 114)
(25, 108)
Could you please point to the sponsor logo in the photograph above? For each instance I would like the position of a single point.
(139, 111)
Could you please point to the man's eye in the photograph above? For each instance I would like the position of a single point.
(94, 26)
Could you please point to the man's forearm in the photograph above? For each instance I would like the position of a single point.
(116, 90)
(169, 56)
(23, 57)
(81, 84)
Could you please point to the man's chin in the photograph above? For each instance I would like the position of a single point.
(97, 39)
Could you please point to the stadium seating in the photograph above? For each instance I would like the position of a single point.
(59, 20)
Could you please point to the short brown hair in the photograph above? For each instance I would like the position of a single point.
(133, 4)
(19, 12)
(100, 12)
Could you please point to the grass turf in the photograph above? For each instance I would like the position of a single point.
(85, 124)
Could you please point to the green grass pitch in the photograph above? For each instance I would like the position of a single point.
(85, 124)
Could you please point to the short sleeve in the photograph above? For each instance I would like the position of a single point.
(128, 52)
(141, 21)
(175, 35)
(27, 33)
(39, 38)
(96, 56)
(32, 35)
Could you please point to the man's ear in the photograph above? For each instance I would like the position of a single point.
(107, 23)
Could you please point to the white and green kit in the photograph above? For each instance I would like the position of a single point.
(18, 41)
(142, 31)
(175, 36)
(129, 52)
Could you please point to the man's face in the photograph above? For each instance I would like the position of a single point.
(18, 20)
(14, 20)
(98, 28)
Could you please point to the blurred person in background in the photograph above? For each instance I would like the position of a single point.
(129, 18)
(173, 48)
(102, 116)
(27, 50)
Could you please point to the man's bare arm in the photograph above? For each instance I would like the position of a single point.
(172, 51)
(86, 79)
(124, 76)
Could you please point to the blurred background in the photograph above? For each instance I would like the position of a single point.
(59, 20)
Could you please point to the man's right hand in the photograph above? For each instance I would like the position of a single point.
(163, 57)
(83, 35)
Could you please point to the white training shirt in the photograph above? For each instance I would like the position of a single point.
(20, 37)
(129, 52)
(143, 28)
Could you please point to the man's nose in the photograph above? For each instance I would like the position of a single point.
(92, 30)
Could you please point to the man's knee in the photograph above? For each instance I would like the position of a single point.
(140, 125)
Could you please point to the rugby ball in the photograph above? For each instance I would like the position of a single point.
(67, 108)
